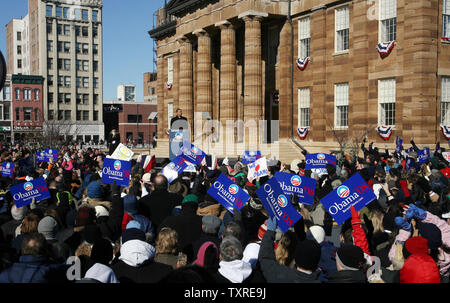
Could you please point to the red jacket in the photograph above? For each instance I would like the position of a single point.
(359, 236)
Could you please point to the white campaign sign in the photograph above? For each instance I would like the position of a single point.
(258, 169)
(122, 153)
(446, 156)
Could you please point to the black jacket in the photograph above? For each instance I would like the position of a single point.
(347, 276)
(158, 205)
(188, 225)
(149, 272)
(277, 273)
(204, 237)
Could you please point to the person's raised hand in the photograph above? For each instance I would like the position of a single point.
(271, 224)
(402, 223)
(415, 212)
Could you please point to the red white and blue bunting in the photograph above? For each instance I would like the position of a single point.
(385, 132)
(302, 132)
(446, 131)
(385, 48)
(446, 39)
(169, 86)
(302, 63)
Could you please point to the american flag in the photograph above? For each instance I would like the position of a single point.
(302, 63)
(302, 132)
(385, 132)
(384, 48)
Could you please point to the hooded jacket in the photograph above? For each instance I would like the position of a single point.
(235, 271)
(101, 273)
(136, 264)
(419, 268)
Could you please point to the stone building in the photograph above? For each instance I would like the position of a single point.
(236, 60)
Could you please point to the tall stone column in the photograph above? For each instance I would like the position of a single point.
(204, 76)
(162, 110)
(185, 78)
(228, 89)
(253, 77)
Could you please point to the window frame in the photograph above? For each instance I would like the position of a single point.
(340, 104)
(385, 97)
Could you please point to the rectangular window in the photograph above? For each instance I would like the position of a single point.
(77, 14)
(78, 82)
(95, 49)
(85, 48)
(49, 63)
(95, 66)
(169, 113)
(17, 91)
(388, 20)
(27, 113)
(6, 93)
(50, 97)
(94, 15)
(19, 63)
(85, 115)
(95, 82)
(50, 80)
(77, 30)
(27, 94)
(95, 117)
(48, 10)
(49, 28)
(58, 11)
(60, 114)
(78, 65)
(78, 98)
(67, 30)
(67, 47)
(36, 94)
(59, 46)
(19, 49)
(85, 65)
(78, 48)
(17, 114)
(134, 118)
(51, 114)
(445, 100)
(85, 82)
(67, 115)
(386, 102)
(60, 97)
(342, 28)
(84, 31)
(67, 64)
(59, 29)
(304, 37)
(1, 112)
(60, 80)
(303, 107)
(95, 98)
(67, 81)
(6, 115)
(36, 114)
(66, 12)
(84, 14)
(49, 45)
(86, 99)
(67, 98)
(170, 70)
(94, 31)
(341, 105)
(78, 115)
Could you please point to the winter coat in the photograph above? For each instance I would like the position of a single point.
(9, 229)
(158, 205)
(277, 273)
(238, 272)
(204, 237)
(101, 273)
(168, 259)
(31, 269)
(188, 225)
(327, 262)
(347, 276)
(136, 264)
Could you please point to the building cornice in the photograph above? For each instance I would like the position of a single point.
(180, 8)
(89, 3)
(163, 30)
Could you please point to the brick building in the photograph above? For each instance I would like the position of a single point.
(230, 58)
(5, 111)
(27, 102)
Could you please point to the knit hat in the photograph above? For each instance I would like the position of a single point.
(351, 257)
(132, 234)
(307, 255)
(102, 251)
(420, 268)
(130, 204)
(211, 222)
(134, 224)
(101, 211)
(336, 183)
(262, 230)
(91, 233)
(201, 255)
(48, 227)
(316, 233)
(190, 198)
(432, 233)
(415, 245)
(18, 213)
(94, 190)
(84, 216)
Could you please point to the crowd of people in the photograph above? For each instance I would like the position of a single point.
(155, 231)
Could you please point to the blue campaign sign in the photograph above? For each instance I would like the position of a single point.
(353, 192)
(319, 160)
(303, 187)
(116, 170)
(250, 156)
(228, 193)
(51, 154)
(40, 157)
(423, 155)
(191, 153)
(174, 168)
(7, 169)
(24, 193)
(277, 204)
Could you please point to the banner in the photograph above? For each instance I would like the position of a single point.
(319, 160)
(423, 155)
(191, 153)
(277, 205)
(51, 154)
(7, 169)
(174, 168)
(122, 153)
(398, 145)
(303, 187)
(116, 170)
(250, 156)
(258, 169)
(24, 193)
(40, 157)
(354, 191)
(228, 193)
(148, 162)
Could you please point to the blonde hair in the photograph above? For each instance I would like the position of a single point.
(167, 241)
(377, 221)
(284, 253)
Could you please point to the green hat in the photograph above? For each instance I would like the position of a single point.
(190, 198)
